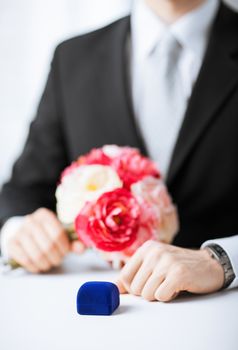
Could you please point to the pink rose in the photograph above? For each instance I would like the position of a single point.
(159, 215)
(111, 223)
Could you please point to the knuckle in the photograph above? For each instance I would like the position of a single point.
(150, 261)
(168, 258)
(180, 269)
(28, 220)
(50, 246)
(154, 251)
(56, 233)
(145, 247)
(148, 244)
(157, 252)
(60, 234)
(42, 212)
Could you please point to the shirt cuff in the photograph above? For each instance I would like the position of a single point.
(230, 246)
(8, 230)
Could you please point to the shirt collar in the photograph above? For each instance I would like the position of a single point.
(191, 30)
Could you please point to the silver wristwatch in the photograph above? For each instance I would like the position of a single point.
(218, 253)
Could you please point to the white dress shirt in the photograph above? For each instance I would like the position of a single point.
(147, 29)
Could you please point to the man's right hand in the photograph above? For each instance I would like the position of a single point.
(40, 243)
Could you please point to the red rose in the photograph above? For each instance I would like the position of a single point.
(111, 223)
(131, 166)
(96, 156)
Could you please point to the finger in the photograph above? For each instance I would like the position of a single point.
(141, 263)
(141, 277)
(109, 262)
(46, 245)
(121, 287)
(117, 264)
(130, 269)
(56, 232)
(19, 255)
(77, 247)
(49, 249)
(167, 290)
(122, 264)
(34, 252)
(152, 285)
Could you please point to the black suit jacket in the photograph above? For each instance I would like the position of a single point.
(86, 103)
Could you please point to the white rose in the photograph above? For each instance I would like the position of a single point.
(112, 151)
(86, 183)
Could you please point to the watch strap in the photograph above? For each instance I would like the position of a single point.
(218, 253)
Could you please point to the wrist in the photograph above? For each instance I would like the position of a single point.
(214, 271)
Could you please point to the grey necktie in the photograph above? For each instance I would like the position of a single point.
(163, 103)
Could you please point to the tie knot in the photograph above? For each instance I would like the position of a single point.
(169, 46)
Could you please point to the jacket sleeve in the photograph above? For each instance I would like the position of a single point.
(37, 170)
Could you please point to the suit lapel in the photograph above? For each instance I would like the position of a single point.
(217, 79)
(116, 109)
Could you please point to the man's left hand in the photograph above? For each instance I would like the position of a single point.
(159, 271)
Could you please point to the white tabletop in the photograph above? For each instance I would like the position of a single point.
(39, 312)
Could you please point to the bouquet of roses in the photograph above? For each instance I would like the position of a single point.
(113, 199)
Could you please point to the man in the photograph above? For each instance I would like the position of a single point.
(165, 81)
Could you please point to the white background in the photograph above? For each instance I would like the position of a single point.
(29, 32)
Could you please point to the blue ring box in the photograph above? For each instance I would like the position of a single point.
(97, 298)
